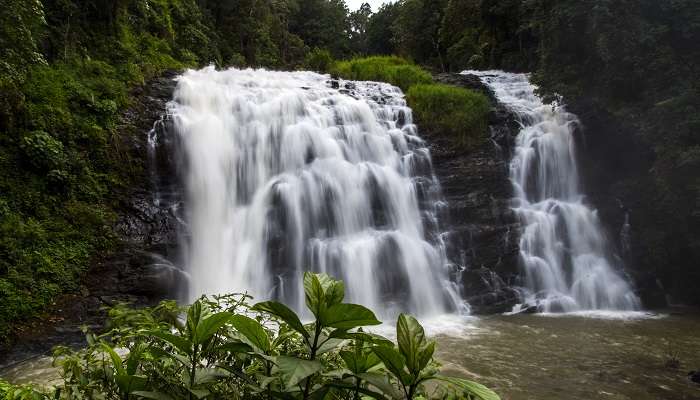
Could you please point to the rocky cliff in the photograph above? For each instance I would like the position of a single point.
(483, 229)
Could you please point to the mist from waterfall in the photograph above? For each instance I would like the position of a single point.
(284, 173)
(567, 263)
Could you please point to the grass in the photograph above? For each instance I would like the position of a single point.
(458, 113)
(390, 69)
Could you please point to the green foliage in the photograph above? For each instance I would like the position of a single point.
(22, 392)
(453, 112)
(391, 69)
(319, 60)
(67, 68)
(224, 348)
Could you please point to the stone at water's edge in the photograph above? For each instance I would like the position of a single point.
(484, 229)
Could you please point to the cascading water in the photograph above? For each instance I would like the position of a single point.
(567, 263)
(284, 174)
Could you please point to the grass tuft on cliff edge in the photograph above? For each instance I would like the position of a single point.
(456, 113)
(391, 69)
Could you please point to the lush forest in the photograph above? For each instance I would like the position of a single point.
(67, 69)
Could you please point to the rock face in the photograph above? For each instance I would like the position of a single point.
(484, 231)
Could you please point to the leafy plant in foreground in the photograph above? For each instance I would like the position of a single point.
(224, 348)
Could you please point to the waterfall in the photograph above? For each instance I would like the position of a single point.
(285, 172)
(567, 263)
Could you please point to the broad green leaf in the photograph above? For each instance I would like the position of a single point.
(354, 362)
(293, 370)
(210, 325)
(207, 375)
(200, 393)
(393, 361)
(326, 281)
(456, 388)
(362, 336)
(252, 331)
(348, 316)
(313, 293)
(116, 360)
(152, 395)
(179, 342)
(335, 293)
(283, 336)
(130, 383)
(426, 354)
(284, 313)
(381, 382)
(235, 347)
(359, 362)
(411, 338)
(330, 345)
(366, 392)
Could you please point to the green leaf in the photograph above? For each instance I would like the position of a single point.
(362, 336)
(284, 313)
(130, 383)
(152, 395)
(381, 382)
(426, 354)
(208, 375)
(179, 342)
(116, 360)
(200, 393)
(348, 316)
(194, 315)
(393, 361)
(359, 362)
(210, 325)
(335, 293)
(461, 388)
(329, 345)
(293, 370)
(411, 338)
(134, 358)
(354, 362)
(252, 331)
(235, 347)
(314, 294)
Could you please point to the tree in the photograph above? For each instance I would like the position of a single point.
(380, 36)
(359, 20)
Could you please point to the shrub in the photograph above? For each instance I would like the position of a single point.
(454, 112)
(319, 60)
(391, 69)
(43, 151)
(224, 348)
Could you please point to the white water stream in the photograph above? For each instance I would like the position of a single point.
(567, 263)
(284, 174)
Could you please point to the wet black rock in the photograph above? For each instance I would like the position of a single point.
(694, 376)
(483, 230)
